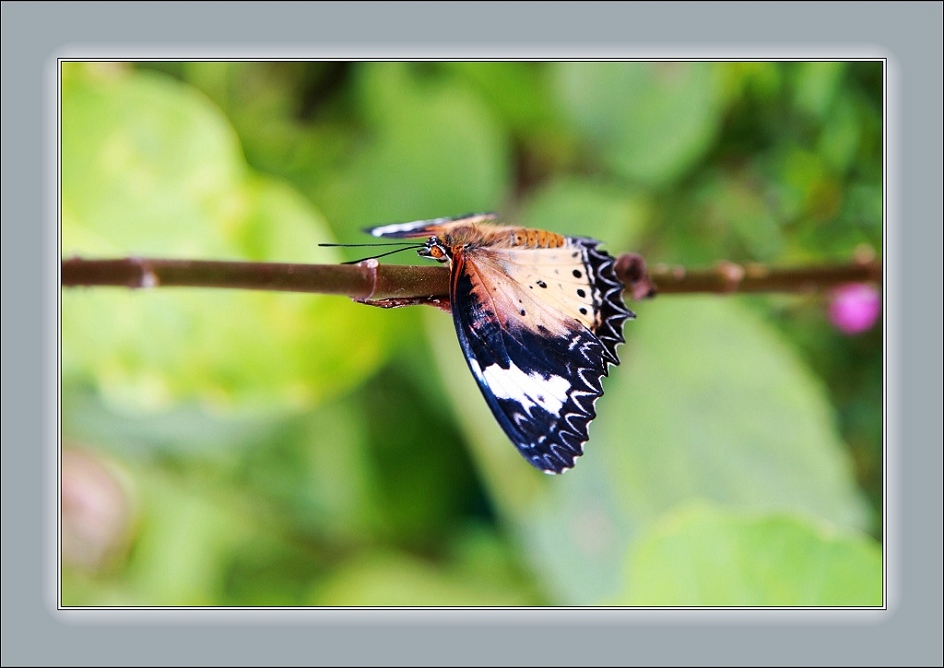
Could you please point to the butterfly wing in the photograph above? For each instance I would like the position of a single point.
(539, 329)
(425, 228)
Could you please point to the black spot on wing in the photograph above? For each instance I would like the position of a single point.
(550, 441)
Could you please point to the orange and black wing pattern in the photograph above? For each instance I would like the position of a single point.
(539, 317)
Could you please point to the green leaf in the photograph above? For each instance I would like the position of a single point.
(152, 168)
(731, 201)
(183, 533)
(382, 578)
(194, 541)
(708, 403)
(434, 150)
(576, 206)
(517, 91)
(841, 136)
(704, 556)
(722, 408)
(816, 85)
(147, 166)
(650, 122)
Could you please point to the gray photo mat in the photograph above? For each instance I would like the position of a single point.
(35, 35)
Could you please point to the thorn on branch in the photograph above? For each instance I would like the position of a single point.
(731, 275)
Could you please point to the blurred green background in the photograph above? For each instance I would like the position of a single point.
(233, 448)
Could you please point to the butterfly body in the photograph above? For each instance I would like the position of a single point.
(538, 316)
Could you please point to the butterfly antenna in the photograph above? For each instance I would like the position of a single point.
(389, 243)
(407, 245)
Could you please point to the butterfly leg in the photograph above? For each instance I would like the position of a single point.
(399, 302)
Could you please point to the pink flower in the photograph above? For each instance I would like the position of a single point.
(854, 307)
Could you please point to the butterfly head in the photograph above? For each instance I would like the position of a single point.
(436, 249)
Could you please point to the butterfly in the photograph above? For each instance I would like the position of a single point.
(538, 316)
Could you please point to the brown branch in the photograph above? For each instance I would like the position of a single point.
(373, 281)
(728, 277)
(366, 280)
